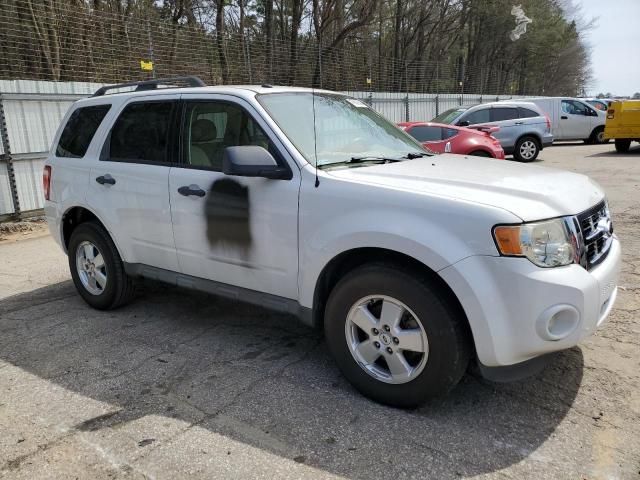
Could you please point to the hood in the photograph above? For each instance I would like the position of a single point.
(528, 191)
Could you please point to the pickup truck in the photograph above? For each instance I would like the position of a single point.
(310, 203)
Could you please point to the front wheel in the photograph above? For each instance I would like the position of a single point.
(396, 337)
(597, 137)
(527, 149)
(622, 146)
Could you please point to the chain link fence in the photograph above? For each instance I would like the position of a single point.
(53, 41)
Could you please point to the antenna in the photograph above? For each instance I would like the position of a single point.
(315, 141)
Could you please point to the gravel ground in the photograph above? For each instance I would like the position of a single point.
(181, 384)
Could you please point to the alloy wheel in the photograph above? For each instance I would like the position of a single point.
(91, 268)
(528, 149)
(386, 339)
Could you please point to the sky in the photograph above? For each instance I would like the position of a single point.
(615, 43)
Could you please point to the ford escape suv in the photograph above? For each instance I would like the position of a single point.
(309, 202)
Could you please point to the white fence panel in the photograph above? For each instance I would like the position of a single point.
(29, 182)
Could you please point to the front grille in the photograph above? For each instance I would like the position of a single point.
(597, 233)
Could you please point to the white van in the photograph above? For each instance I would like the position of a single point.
(572, 118)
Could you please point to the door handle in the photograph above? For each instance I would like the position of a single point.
(564, 118)
(108, 179)
(188, 190)
(519, 123)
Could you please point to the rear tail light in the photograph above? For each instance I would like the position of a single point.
(46, 182)
(548, 122)
(611, 113)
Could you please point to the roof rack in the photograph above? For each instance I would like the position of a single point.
(176, 82)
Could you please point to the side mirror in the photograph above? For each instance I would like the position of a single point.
(252, 161)
(464, 123)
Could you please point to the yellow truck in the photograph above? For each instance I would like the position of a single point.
(623, 124)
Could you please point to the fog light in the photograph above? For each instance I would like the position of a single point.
(557, 322)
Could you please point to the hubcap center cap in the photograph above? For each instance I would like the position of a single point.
(385, 339)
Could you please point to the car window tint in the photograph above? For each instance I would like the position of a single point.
(448, 133)
(423, 133)
(79, 131)
(212, 126)
(479, 116)
(141, 133)
(527, 113)
(500, 113)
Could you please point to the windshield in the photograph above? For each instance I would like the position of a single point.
(449, 116)
(345, 128)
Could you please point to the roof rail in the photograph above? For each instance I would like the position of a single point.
(177, 82)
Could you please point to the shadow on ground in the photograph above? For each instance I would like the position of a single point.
(262, 379)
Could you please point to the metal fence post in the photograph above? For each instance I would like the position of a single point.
(4, 138)
(370, 99)
(437, 105)
(406, 107)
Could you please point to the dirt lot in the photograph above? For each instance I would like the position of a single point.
(179, 383)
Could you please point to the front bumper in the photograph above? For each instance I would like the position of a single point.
(518, 311)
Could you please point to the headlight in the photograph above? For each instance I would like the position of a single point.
(551, 243)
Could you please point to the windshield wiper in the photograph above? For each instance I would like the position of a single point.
(412, 155)
(363, 159)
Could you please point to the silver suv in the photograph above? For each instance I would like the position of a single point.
(524, 128)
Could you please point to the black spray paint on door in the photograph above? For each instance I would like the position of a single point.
(228, 214)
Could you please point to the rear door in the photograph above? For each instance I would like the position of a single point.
(128, 186)
(508, 119)
(239, 231)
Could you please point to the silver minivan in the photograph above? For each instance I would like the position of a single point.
(524, 129)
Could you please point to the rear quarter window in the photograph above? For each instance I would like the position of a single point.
(79, 131)
(528, 113)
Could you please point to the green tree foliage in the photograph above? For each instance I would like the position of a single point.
(402, 45)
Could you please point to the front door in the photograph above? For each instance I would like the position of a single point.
(128, 186)
(235, 230)
(575, 120)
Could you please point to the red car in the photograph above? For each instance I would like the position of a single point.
(440, 138)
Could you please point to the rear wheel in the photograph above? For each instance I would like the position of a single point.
(394, 336)
(527, 149)
(622, 146)
(96, 268)
(480, 153)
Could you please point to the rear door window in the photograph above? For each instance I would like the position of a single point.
(499, 114)
(423, 133)
(141, 133)
(479, 116)
(527, 113)
(79, 131)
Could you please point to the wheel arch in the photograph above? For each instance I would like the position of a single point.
(75, 216)
(348, 260)
(533, 135)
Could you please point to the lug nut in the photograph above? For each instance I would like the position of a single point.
(375, 331)
(389, 350)
(377, 344)
(386, 328)
(395, 340)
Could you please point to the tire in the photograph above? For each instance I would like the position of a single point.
(527, 149)
(116, 288)
(441, 328)
(481, 153)
(622, 146)
(597, 137)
